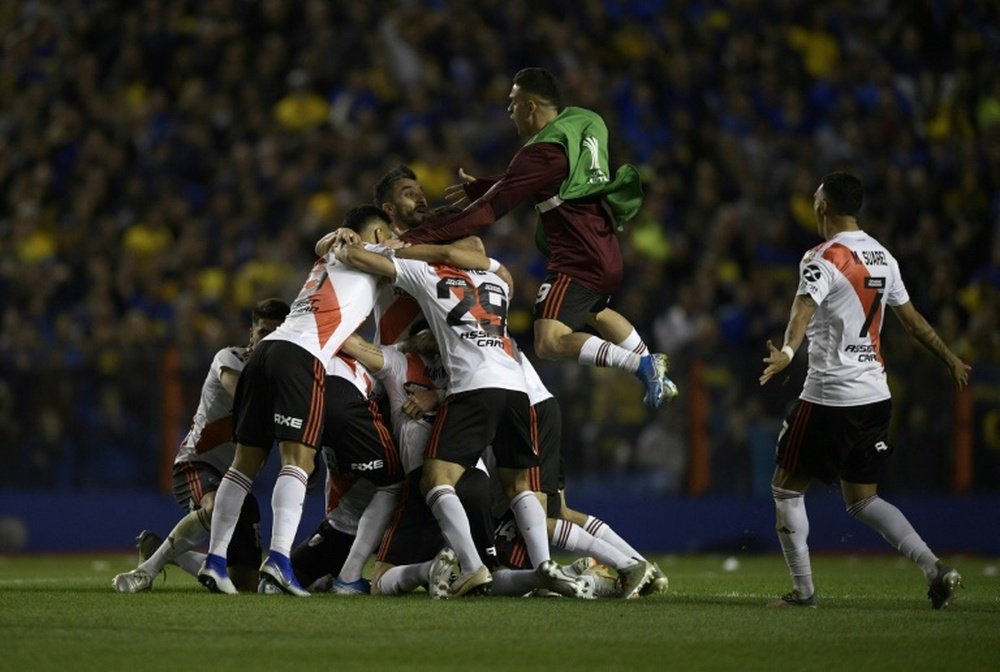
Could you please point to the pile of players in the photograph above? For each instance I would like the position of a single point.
(461, 492)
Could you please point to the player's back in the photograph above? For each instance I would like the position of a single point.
(211, 434)
(331, 305)
(852, 277)
(467, 312)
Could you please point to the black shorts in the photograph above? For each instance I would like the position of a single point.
(194, 480)
(356, 441)
(279, 397)
(830, 442)
(562, 298)
(413, 534)
(545, 427)
(468, 422)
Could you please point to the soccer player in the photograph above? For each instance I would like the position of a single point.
(467, 313)
(204, 455)
(408, 551)
(358, 445)
(563, 168)
(280, 397)
(400, 196)
(570, 530)
(839, 427)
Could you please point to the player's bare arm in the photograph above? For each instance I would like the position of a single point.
(919, 328)
(459, 256)
(803, 308)
(369, 354)
(363, 260)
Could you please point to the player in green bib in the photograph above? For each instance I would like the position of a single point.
(563, 168)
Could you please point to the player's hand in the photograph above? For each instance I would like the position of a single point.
(960, 373)
(455, 193)
(341, 236)
(420, 402)
(776, 362)
(394, 244)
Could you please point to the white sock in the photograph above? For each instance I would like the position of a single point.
(187, 534)
(404, 578)
(190, 562)
(634, 343)
(286, 502)
(573, 538)
(370, 528)
(792, 526)
(226, 511)
(890, 522)
(515, 582)
(454, 523)
(598, 352)
(530, 517)
(598, 528)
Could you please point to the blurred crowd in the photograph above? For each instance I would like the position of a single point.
(166, 163)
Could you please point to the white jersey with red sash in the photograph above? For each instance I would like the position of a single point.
(467, 312)
(851, 277)
(401, 374)
(334, 301)
(210, 438)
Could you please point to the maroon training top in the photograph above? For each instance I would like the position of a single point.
(580, 233)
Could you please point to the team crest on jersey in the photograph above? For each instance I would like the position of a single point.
(811, 273)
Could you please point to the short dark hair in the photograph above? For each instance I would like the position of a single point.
(357, 218)
(540, 82)
(844, 193)
(270, 309)
(383, 188)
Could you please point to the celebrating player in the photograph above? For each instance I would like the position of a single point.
(204, 455)
(563, 168)
(840, 425)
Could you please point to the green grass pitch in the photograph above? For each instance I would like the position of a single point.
(60, 613)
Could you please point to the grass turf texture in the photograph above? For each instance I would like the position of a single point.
(60, 613)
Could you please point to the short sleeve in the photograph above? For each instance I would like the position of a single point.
(815, 278)
(896, 294)
(228, 358)
(409, 274)
(394, 366)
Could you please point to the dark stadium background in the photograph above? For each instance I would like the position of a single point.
(163, 165)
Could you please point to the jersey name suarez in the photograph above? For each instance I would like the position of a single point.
(467, 312)
(852, 278)
(334, 301)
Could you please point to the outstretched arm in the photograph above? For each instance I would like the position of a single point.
(918, 327)
(369, 354)
(459, 256)
(803, 308)
(363, 260)
(531, 169)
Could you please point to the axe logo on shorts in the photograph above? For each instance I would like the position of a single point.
(287, 421)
